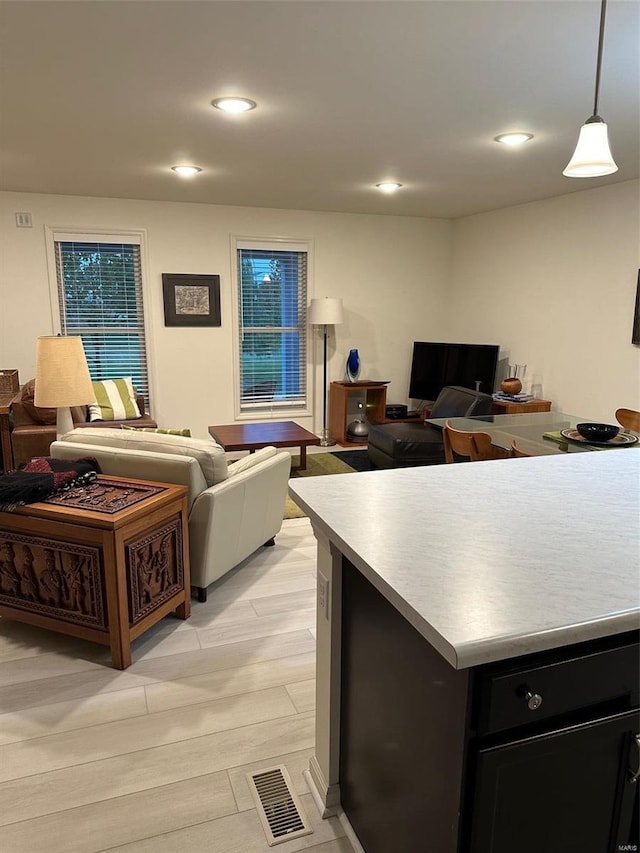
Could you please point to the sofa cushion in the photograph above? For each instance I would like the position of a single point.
(211, 456)
(249, 461)
(185, 432)
(405, 445)
(115, 401)
(38, 414)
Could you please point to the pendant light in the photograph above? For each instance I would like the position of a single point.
(592, 157)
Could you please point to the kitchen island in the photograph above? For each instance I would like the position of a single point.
(477, 663)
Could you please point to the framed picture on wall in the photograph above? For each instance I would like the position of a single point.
(191, 300)
(635, 334)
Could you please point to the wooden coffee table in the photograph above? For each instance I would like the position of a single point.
(252, 437)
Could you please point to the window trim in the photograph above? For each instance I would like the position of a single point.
(136, 236)
(277, 410)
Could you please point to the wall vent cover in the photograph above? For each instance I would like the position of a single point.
(278, 806)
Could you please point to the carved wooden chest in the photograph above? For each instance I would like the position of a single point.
(103, 562)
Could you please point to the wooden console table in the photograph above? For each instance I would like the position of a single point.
(420, 415)
(103, 562)
(509, 407)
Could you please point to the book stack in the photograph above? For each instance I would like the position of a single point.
(513, 398)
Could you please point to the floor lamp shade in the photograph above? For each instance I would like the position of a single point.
(325, 312)
(62, 377)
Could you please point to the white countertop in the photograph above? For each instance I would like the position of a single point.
(492, 560)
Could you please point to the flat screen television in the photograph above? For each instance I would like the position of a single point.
(435, 365)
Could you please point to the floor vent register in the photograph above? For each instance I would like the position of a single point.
(278, 806)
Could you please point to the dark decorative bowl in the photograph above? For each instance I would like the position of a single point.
(598, 432)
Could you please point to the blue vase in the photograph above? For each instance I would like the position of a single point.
(353, 365)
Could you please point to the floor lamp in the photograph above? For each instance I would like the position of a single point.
(62, 378)
(325, 312)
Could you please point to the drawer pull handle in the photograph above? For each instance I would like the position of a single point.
(634, 775)
(533, 700)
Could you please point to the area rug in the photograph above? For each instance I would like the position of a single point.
(356, 459)
(319, 464)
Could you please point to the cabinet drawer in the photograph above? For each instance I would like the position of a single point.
(519, 696)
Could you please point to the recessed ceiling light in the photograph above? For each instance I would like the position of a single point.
(186, 171)
(388, 186)
(513, 138)
(233, 105)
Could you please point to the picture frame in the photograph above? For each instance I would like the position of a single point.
(191, 300)
(635, 334)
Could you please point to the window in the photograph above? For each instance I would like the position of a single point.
(272, 316)
(99, 286)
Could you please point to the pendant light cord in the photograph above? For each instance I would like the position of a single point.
(603, 12)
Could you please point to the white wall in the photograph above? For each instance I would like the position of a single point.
(554, 283)
(391, 273)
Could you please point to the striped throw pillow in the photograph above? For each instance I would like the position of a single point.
(115, 401)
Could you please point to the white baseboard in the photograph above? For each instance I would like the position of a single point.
(315, 794)
(327, 797)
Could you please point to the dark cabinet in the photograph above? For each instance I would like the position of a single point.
(556, 752)
(567, 790)
(535, 754)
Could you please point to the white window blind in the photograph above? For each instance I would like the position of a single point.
(272, 311)
(100, 299)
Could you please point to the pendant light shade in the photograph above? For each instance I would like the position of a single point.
(592, 157)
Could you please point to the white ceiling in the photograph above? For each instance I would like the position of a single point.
(101, 97)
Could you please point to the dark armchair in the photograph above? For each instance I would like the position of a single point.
(405, 445)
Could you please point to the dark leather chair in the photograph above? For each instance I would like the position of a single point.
(408, 445)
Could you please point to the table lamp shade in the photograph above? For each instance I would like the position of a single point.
(62, 375)
(325, 312)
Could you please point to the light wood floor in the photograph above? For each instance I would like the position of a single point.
(154, 758)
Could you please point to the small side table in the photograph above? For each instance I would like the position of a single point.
(103, 562)
(509, 407)
(341, 396)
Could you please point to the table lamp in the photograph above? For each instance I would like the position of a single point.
(62, 378)
(325, 312)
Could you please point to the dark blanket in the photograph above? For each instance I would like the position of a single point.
(43, 477)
